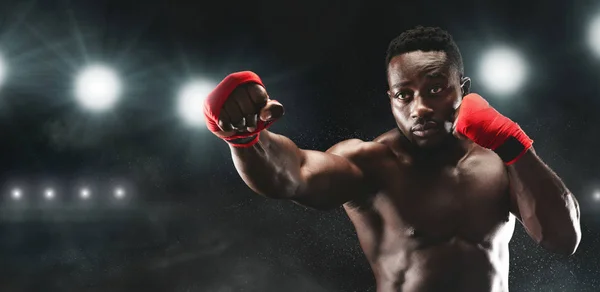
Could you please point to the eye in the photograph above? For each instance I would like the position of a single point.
(436, 89)
(403, 95)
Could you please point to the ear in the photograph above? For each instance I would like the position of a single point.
(389, 94)
(465, 85)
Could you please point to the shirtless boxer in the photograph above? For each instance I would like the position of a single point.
(433, 200)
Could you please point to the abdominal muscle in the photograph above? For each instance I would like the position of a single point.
(451, 265)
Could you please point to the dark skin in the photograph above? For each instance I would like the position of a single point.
(432, 211)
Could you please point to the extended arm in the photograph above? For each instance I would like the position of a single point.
(239, 111)
(545, 206)
(276, 168)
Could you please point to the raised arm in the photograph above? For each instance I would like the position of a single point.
(539, 198)
(545, 206)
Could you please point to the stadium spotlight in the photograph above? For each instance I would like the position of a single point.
(119, 193)
(84, 194)
(49, 194)
(17, 194)
(594, 35)
(2, 70)
(191, 101)
(503, 71)
(97, 88)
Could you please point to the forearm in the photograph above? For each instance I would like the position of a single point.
(270, 167)
(547, 208)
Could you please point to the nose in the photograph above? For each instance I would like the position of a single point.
(420, 109)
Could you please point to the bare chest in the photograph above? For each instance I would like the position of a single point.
(469, 200)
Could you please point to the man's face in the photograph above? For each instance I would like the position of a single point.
(424, 91)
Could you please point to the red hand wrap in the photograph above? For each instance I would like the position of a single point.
(216, 99)
(481, 123)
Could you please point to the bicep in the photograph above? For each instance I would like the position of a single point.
(330, 179)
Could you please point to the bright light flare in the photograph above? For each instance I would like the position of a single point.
(119, 193)
(597, 196)
(503, 71)
(594, 35)
(17, 194)
(97, 88)
(84, 194)
(49, 194)
(191, 101)
(2, 69)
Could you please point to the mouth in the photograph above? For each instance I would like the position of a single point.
(425, 130)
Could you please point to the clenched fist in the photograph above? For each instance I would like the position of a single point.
(247, 104)
(239, 107)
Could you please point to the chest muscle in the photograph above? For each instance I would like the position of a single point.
(469, 201)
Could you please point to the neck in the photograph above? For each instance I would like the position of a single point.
(448, 152)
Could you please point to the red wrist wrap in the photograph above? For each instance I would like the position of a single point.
(216, 99)
(481, 123)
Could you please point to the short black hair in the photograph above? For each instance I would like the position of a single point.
(426, 39)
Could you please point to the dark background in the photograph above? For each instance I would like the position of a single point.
(190, 223)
